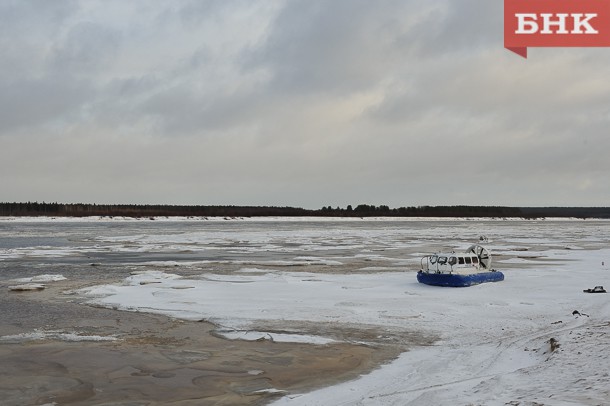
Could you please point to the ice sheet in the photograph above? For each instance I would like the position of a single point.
(494, 339)
(489, 333)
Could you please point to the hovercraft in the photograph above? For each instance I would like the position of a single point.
(459, 270)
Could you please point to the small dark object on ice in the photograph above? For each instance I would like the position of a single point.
(577, 313)
(554, 344)
(597, 289)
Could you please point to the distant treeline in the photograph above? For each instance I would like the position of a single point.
(362, 210)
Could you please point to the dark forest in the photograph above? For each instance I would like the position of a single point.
(362, 210)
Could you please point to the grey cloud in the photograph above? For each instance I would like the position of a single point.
(298, 102)
(38, 83)
(193, 12)
(457, 27)
(87, 48)
(27, 29)
(331, 46)
(30, 103)
(27, 15)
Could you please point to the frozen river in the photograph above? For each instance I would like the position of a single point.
(313, 280)
(397, 244)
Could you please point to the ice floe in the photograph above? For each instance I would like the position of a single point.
(40, 335)
(274, 336)
(27, 287)
(46, 278)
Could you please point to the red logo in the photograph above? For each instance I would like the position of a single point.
(555, 23)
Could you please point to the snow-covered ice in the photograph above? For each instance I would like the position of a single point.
(46, 278)
(250, 335)
(38, 335)
(515, 342)
(494, 339)
(35, 282)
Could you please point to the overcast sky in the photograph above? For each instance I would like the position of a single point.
(304, 103)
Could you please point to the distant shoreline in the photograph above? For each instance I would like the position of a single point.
(35, 209)
(287, 219)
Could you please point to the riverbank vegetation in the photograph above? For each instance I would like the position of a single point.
(362, 210)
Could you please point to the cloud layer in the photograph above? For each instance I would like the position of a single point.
(301, 102)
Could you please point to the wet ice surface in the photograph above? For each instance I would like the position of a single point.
(297, 278)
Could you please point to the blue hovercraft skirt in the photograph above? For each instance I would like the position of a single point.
(459, 281)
